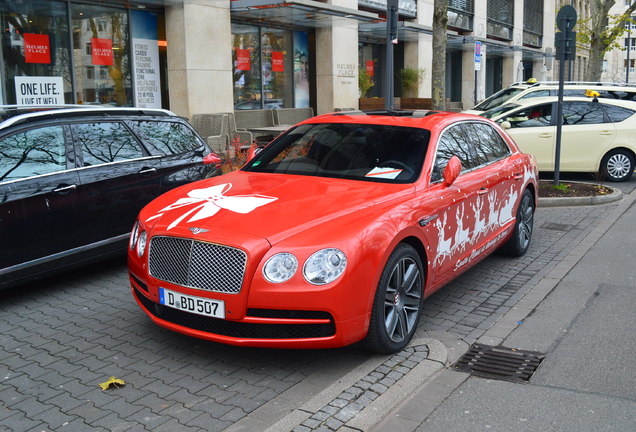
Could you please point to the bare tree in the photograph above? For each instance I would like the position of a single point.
(440, 21)
(602, 33)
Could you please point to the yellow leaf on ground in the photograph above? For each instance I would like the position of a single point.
(112, 380)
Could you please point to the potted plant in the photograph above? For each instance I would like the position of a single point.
(410, 80)
(365, 82)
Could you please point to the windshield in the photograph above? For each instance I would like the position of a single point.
(496, 112)
(499, 98)
(378, 153)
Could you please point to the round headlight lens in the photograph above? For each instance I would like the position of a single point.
(133, 236)
(280, 267)
(324, 266)
(141, 243)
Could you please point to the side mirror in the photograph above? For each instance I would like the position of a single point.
(505, 125)
(452, 170)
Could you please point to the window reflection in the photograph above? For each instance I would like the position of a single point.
(168, 138)
(31, 153)
(106, 142)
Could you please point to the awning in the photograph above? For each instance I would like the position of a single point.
(302, 13)
(407, 31)
(493, 47)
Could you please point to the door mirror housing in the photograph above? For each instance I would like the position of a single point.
(505, 125)
(452, 170)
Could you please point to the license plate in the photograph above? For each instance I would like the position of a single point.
(192, 304)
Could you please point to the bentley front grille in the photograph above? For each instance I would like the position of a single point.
(196, 264)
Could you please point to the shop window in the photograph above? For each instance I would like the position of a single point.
(34, 44)
(270, 68)
(90, 72)
(108, 48)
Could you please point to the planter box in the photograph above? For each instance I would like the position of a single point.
(376, 104)
(416, 103)
(373, 104)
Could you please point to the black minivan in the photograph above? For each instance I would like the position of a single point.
(72, 181)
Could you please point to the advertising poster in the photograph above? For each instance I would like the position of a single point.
(146, 69)
(370, 67)
(243, 59)
(37, 48)
(301, 69)
(102, 51)
(37, 90)
(277, 61)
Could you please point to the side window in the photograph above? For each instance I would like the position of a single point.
(106, 142)
(578, 113)
(168, 138)
(453, 142)
(31, 153)
(536, 116)
(534, 94)
(488, 144)
(617, 114)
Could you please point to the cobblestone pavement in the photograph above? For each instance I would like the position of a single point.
(59, 339)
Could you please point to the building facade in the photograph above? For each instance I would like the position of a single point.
(619, 64)
(205, 56)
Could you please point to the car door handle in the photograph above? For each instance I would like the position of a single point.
(605, 132)
(147, 170)
(545, 135)
(482, 191)
(61, 189)
(427, 220)
(518, 176)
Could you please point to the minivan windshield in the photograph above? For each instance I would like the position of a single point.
(499, 98)
(369, 152)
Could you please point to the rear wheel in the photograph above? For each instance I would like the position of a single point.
(520, 240)
(618, 165)
(398, 302)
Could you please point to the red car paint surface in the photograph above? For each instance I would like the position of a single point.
(452, 221)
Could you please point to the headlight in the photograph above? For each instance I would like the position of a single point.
(133, 235)
(141, 244)
(280, 267)
(324, 266)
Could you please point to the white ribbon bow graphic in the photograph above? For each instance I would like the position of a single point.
(210, 201)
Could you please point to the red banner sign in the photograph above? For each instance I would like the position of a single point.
(243, 59)
(370, 68)
(37, 48)
(278, 64)
(102, 51)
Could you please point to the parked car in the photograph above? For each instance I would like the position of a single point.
(597, 134)
(532, 89)
(335, 232)
(72, 181)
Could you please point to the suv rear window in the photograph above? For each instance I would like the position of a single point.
(167, 138)
(31, 153)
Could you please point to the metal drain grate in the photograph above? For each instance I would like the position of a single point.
(499, 363)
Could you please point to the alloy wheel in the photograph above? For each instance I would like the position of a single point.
(618, 165)
(526, 221)
(402, 299)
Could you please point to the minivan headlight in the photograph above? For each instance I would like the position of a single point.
(324, 266)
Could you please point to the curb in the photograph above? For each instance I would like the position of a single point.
(616, 195)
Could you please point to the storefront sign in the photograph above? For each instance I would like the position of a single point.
(277, 61)
(102, 51)
(243, 59)
(346, 70)
(370, 67)
(37, 48)
(146, 72)
(39, 90)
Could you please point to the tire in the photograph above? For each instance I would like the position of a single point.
(520, 240)
(618, 165)
(398, 302)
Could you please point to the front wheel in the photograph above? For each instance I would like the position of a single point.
(520, 240)
(398, 302)
(618, 165)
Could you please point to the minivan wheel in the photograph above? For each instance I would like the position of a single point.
(618, 165)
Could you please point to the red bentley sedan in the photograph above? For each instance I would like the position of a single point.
(335, 233)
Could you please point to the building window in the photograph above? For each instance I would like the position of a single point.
(270, 67)
(533, 23)
(460, 14)
(631, 64)
(500, 19)
(90, 72)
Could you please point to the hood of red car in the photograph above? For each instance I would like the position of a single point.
(270, 206)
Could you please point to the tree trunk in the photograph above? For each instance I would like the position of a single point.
(598, 45)
(438, 74)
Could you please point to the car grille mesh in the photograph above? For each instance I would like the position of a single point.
(196, 264)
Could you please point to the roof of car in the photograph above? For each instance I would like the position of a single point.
(16, 114)
(521, 103)
(406, 118)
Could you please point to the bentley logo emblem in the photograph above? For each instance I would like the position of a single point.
(198, 230)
